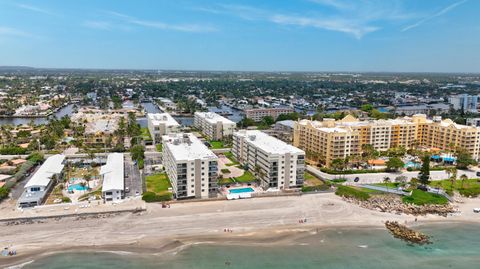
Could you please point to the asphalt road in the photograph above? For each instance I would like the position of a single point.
(133, 180)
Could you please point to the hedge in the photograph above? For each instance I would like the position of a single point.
(151, 197)
(345, 172)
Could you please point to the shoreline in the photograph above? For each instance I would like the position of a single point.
(174, 245)
(268, 221)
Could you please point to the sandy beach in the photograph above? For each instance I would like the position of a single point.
(271, 220)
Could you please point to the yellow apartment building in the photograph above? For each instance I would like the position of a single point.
(330, 139)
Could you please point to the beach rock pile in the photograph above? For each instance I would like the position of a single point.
(394, 204)
(407, 234)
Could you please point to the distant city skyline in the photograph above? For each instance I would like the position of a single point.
(301, 35)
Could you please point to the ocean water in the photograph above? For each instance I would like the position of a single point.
(454, 246)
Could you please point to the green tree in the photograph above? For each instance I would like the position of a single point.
(394, 164)
(138, 152)
(338, 164)
(424, 175)
(464, 159)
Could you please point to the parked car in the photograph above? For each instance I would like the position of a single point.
(476, 210)
(127, 189)
(478, 174)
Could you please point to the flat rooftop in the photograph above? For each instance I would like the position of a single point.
(268, 143)
(113, 173)
(186, 147)
(53, 165)
(213, 117)
(162, 118)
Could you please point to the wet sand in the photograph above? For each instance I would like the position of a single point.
(254, 221)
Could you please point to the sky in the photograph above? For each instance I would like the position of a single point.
(243, 35)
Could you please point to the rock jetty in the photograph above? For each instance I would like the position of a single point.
(394, 204)
(407, 234)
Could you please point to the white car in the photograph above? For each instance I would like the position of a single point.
(476, 210)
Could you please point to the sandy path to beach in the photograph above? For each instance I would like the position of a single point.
(253, 218)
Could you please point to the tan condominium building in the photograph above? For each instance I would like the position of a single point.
(191, 167)
(160, 124)
(257, 114)
(212, 125)
(329, 139)
(275, 163)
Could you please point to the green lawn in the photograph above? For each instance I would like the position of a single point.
(311, 180)
(159, 147)
(246, 177)
(146, 134)
(470, 187)
(216, 144)
(224, 181)
(158, 183)
(351, 192)
(420, 197)
(390, 185)
(230, 156)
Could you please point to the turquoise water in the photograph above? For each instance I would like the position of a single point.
(77, 187)
(455, 246)
(241, 190)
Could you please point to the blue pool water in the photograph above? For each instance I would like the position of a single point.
(412, 164)
(77, 187)
(241, 190)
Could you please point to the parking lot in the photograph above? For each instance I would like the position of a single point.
(133, 179)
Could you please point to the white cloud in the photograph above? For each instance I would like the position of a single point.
(439, 13)
(101, 25)
(4, 30)
(353, 26)
(358, 31)
(36, 9)
(194, 28)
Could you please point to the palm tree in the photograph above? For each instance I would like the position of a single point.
(463, 178)
(414, 181)
(386, 180)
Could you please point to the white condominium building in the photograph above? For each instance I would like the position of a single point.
(191, 167)
(214, 126)
(275, 163)
(113, 186)
(161, 124)
(257, 114)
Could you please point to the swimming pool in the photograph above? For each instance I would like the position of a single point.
(241, 190)
(77, 187)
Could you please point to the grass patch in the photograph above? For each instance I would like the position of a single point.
(225, 171)
(232, 159)
(217, 144)
(225, 181)
(159, 147)
(390, 185)
(350, 192)
(97, 194)
(158, 183)
(246, 177)
(469, 188)
(420, 197)
(146, 134)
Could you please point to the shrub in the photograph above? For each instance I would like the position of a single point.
(225, 170)
(151, 197)
(349, 192)
(470, 192)
(66, 200)
(344, 172)
(4, 193)
(322, 187)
